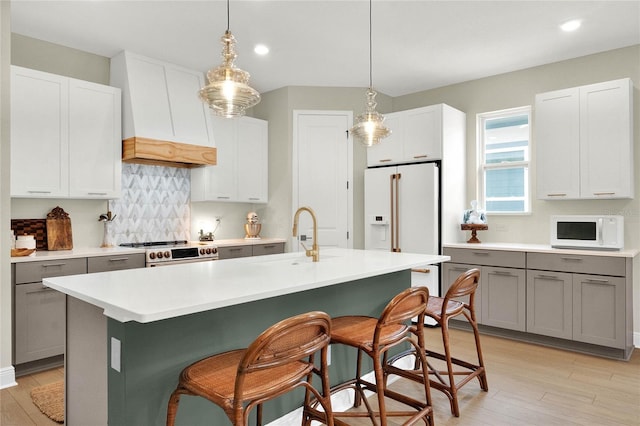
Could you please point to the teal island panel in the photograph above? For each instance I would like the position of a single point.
(153, 354)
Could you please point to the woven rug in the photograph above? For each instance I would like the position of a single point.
(50, 400)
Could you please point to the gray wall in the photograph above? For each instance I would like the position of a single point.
(6, 370)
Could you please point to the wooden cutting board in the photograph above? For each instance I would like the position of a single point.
(59, 230)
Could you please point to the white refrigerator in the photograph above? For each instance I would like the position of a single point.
(402, 205)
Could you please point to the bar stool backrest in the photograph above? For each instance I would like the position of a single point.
(400, 310)
(291, 340)
(465, 285)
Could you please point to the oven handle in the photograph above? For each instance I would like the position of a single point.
(177, 262)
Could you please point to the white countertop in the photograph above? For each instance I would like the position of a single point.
(543, 248)
(98, 251)
(152, 294)
(76, 252)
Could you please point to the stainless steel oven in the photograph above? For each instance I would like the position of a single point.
(164, 253)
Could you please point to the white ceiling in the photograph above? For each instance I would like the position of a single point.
(417, 45)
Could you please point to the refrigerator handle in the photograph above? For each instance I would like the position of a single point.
(395, 213)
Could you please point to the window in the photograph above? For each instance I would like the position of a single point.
(503, 160)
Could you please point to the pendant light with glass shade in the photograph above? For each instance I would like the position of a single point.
(228, 92)
(369, 127)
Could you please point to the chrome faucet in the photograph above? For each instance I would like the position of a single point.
(314, 253)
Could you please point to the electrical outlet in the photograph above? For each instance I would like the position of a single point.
(329, 355)
(115, 354)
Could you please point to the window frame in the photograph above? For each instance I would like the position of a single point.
(482, 167)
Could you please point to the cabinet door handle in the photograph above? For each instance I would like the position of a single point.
(119, 259)
(594, 280)
(420, 156)
(223, 198)
(547, 277)
(559, 194)
(597, 194)
(504, 273)
(254, 198)
(386, 160)
(39, 192)
(421, 270)
(96, 193)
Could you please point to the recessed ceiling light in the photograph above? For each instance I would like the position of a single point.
(571, 25)
(261, 49)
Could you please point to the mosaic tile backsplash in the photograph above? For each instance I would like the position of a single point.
(154, 205)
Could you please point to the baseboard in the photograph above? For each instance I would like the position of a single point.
(7, 377)
(341, 401)
(636, 339)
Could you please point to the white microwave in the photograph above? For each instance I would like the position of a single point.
(587, 232)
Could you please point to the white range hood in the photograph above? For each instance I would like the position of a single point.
(163, 120)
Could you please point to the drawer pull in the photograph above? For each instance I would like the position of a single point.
(223, 198)
(386, 160)
(597, 194)
(48, 265)
(481, 253)
(235, 249)
(572, 259)
(119, 259)
(39, 192)
(557, 195)
(254, 198)
(96, 193)
(269, 247)
(421, 270)
(420, 156)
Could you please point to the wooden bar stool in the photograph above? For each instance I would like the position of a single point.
(442, 310)
(375, 337)
(278, 361)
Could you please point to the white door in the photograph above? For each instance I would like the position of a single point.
(322, 177)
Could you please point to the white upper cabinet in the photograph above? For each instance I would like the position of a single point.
(241, 174)
(417, 135)
(584, 142)
(39, 134)
(95, 167)
(65, 137)
(161, 100)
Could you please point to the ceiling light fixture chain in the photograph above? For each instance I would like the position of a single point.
(228, 92)
(369, 128)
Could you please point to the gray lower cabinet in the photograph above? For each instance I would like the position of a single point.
(575, 301)
(40, 311)
(39, 314)
(578, 297)
(599, 310)
(232, 252)
(549, 303)
(115, 262)
(451, 271)
(503, 297)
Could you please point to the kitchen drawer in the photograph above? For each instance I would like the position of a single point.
(33, 272)
(232, 252)
(115, 262)
(272, 248)
(597, 265)
(510, 259)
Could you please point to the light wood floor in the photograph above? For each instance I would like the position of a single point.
(528, 385)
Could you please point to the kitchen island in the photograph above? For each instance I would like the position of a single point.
(130, 333)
